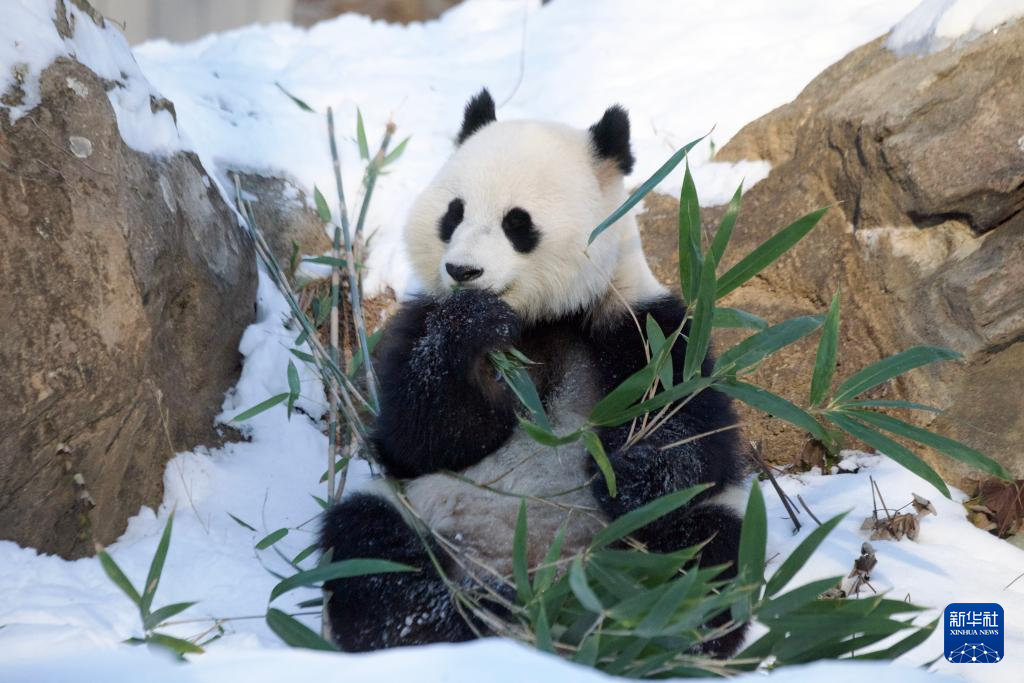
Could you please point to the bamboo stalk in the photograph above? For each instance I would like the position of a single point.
(355, 295)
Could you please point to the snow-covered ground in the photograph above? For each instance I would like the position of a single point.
(680, 68)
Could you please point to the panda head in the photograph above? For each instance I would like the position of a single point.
(512, 209)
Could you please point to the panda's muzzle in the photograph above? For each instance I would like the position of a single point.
(463, 274)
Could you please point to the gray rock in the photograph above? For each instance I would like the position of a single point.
(284, 217)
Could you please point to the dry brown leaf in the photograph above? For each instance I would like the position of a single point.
(861, 573)
(1006, 500)
(923, 506)
(982, 521)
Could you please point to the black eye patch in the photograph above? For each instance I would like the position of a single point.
(451, 219)
(520, 230)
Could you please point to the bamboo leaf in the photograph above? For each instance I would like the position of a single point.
(326, 260)
(667, 605)
(735, 318)
(294, 387)
(644, 515)
(891, 367)
(581, 589)
(825, 360)
(753, 538)
(542, 631)
(295, 633)
(798, 558)
(588, 650)
(657, 341)
(890, 448)
(724, 232)
(364, 147)
(765, 254)
(906, 405)
(761, 344)
(596, 449)
(543, 436)
(690, 256)
(304, 553)
(700, 330)
(301, 104)
(624, 395)
(545, 574)
(303, 356)
(518, 379)
(159, 616)
(271, 538)
(117, 576)
(260, 407)
(241, 523)
(156, 567)
(322, 207)
(905, 645)
(774, 405)
(676, 393)
(175, 645)
(643, 190)
(950, 447)
(636, 385)
(345, 569)
(795, 599)
(394, 154)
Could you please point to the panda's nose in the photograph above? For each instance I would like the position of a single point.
(463, 273)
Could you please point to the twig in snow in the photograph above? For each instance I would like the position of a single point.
(806, 507)
(756, 457)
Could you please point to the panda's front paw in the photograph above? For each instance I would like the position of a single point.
(635, 474)
(476, 319)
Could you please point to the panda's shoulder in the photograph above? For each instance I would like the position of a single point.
(621, 326)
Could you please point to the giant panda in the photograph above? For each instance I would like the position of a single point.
(499, 242)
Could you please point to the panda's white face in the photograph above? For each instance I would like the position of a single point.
(511, 212)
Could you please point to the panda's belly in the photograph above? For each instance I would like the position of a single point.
(477, 508)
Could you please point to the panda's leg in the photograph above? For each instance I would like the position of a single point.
(386, 610)
(720, 526)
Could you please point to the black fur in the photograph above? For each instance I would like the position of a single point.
(451, 219)
(385, 610)
(610, 136)
(443, 407)
(644, 472)
(479, 112)
(520, 230)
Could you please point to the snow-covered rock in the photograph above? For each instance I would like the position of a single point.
(936, 24)
(125, 283)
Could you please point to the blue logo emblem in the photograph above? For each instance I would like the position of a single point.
(973, 633)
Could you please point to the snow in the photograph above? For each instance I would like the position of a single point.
(681, 72)
(29, 42)
(937, 24)
(503, 661)
(65, 616)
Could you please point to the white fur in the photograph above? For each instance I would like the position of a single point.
(550, 171)
(478, 509)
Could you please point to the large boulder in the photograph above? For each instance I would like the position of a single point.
(125, 285)
(282, 214)
(922, 161)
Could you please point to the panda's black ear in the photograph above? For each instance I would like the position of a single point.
(611, 138)
(479, 112)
